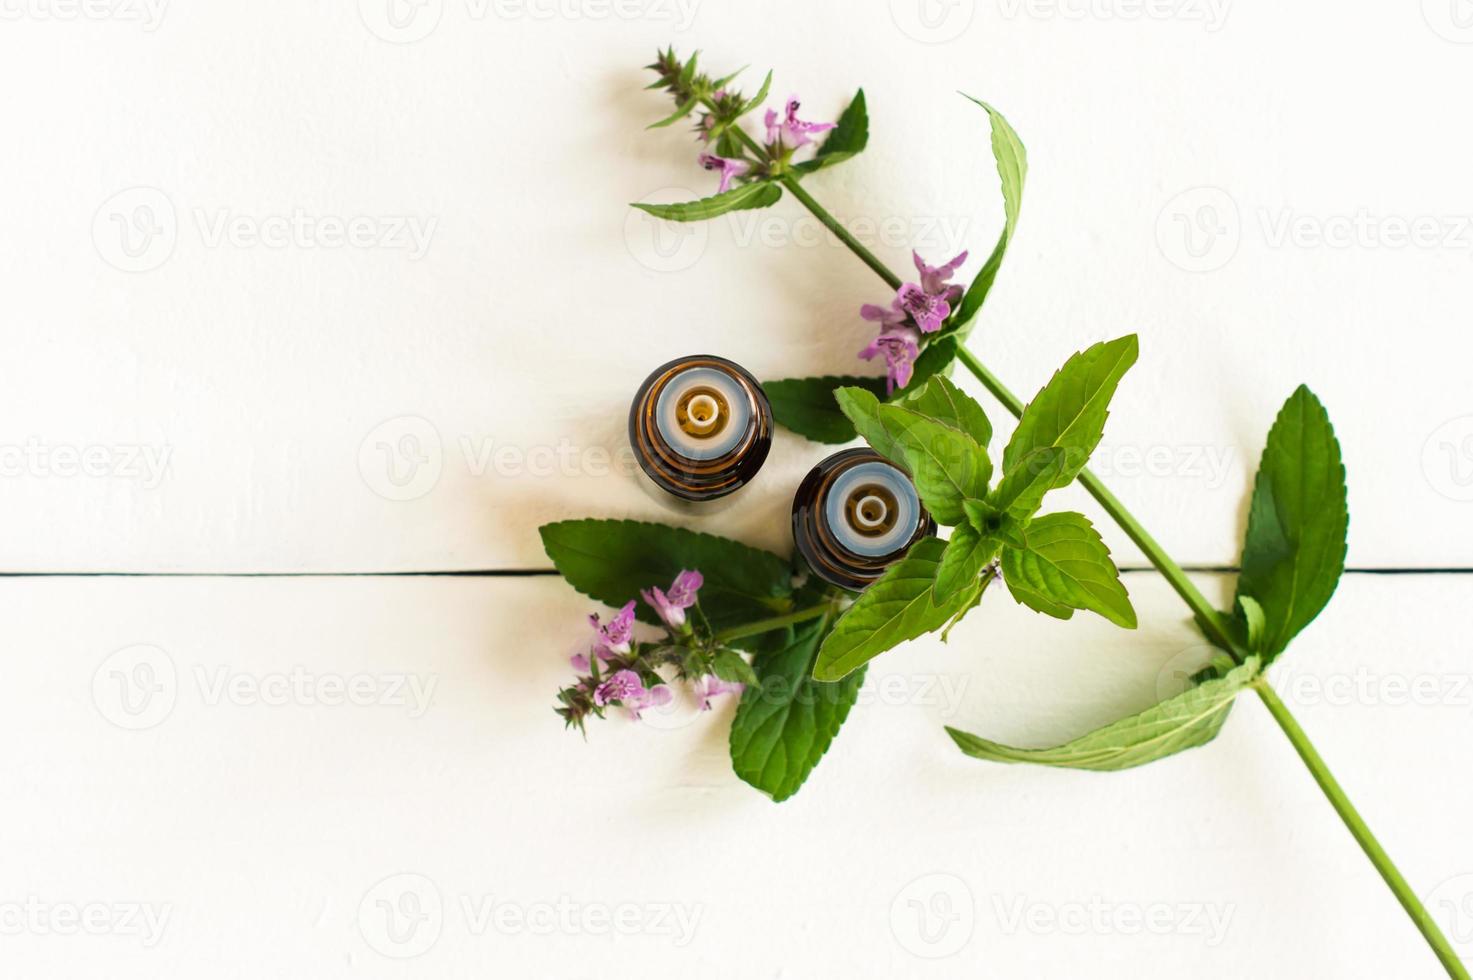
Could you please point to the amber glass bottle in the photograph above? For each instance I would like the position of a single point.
(854, 515)
(701, 427)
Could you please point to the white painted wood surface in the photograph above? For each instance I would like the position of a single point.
(268, 369)
(355, 287)
(260, 824)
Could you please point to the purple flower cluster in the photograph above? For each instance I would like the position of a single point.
(627, 688)
(918, 308)
(785, 133)
(620, 671)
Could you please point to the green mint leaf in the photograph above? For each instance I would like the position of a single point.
(747, 197)
(786, 720)
(680, 113)
(1254, 622)
(1294, 551)
(1066, 566)
(1186, 721)
(946, 464)
(898, 607)
(981, 514)
(861, 407)
(1012, 168)
(1070, 412)
(611, 561)
(945, 402)
(973, 601)
(935, 359)
(760, 97)
(807, 405)
(967, 553)
(726, 80)
(1020, 492)
(689, 72)
(1012, 532)
(851, 135)
(845, 140)
(733, 667)
(1024, 593)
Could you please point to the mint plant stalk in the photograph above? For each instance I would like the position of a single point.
(808, 644)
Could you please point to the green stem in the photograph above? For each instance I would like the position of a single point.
(817, 210)
(776, 622)
(1362, 834)
(865, 255)
(1211, 621)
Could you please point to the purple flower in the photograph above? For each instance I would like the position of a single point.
(928, 310)
(654, 697)
(885, 316)
(626, 688)
(929, 302)
(934, 278)
(712, 686)
(615, 635)
(579, 662)
(623, 685)
(672, 605)
(900, 345)
(918, 308)
(729, 168)
(792, 131)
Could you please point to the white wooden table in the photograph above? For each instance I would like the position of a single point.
(354, 288)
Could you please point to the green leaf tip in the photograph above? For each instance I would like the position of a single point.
(746, 197)
(1298, 522)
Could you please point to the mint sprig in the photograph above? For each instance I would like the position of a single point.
(1054, 564)
(1293, 555)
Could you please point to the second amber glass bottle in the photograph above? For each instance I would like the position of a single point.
(854, 515)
